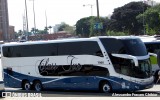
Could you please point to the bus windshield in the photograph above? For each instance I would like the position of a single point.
(134, 47)
(127, 67)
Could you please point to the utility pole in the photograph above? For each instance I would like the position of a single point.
(97, 3)
(46, 18)
(34, 16)
(26, 17)
(98, 19)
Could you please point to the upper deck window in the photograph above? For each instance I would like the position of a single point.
(133, 47)
(53, 49)
(79, 48)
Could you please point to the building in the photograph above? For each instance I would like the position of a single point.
(4, 22)
(11, 33)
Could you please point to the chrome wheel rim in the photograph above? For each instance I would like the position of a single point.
(38, 87)
(27, 86)
(106, 88)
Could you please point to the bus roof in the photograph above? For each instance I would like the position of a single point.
(151, 39)
(67, 40)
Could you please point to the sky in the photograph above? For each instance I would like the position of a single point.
(57, 11)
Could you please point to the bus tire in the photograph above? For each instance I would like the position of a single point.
(105, 87)
(37, 85)
(156, 77)
(26, 85)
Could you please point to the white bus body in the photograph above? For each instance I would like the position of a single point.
(97, 63)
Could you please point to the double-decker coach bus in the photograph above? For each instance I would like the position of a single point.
(153, 46)
(97, 63)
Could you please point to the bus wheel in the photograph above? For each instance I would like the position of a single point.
(26, 85)
(105, 87)
(37, 85)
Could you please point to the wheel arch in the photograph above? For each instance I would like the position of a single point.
(101, 82)
(23, 81)
(37, 80)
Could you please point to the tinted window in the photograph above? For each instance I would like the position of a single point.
(133, 47)
(79, 48)
(30, 50)
(113, 46)
(70, 48)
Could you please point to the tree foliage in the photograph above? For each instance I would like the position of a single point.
(124, 18)
(86, 26)
(83, 27)
(151, 20)
(123, 21)
(67, 28)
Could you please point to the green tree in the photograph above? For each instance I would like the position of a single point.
(67, 28)
(113, 33)
(45, 30)
(83, 27)
(124, 18)
(151, 20)
(20, 32)
(33, 31)
(86, 27)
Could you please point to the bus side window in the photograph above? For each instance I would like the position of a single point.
(7, 51)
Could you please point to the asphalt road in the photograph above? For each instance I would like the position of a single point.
(153, 92)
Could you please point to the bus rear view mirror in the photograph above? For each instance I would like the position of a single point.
(152, 54)
(125, 56)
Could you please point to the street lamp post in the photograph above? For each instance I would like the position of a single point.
(26, 11)
(34, 17)
(91, 8)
